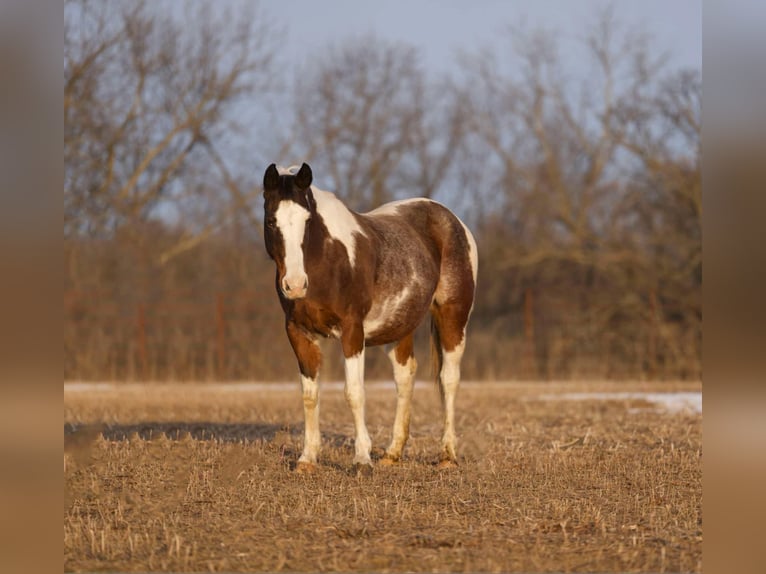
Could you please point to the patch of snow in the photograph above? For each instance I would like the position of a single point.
(76, 387)
(669, 402)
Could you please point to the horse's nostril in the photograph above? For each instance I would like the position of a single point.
(293, 288)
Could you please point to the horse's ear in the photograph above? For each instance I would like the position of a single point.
(304, 177)
(270, 178)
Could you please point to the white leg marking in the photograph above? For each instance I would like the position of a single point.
(450, 379)
(404, 375)
(312, 438)
(291, 221)
(355, 397)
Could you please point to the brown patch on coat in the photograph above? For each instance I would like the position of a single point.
(306, 350)
(404, 350)
(450, 320)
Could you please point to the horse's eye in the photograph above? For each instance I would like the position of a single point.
(271, 223)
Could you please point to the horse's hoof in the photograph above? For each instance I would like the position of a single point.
(377, 452)
(446, 463)
(305, 467)
(389, 461)
(362, 469)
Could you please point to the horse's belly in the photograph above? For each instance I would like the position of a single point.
(394, 317)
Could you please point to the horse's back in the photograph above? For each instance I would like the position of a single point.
(447, 239)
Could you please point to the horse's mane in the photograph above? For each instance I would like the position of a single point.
(292, 170)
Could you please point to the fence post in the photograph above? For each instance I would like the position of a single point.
(530, 355)
(220, 327)
(652, 351)
(141, 340)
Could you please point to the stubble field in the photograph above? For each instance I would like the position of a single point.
(199, 478)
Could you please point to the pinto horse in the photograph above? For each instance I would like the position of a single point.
(368, 279)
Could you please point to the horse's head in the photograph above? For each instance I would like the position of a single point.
(288, 206)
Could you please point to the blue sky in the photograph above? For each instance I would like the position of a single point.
(443, 29)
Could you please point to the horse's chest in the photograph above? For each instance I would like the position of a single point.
(316, 319)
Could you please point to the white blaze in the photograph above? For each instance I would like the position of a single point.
(291, 221)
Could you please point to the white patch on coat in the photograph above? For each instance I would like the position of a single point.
(339, 220)
(384, 313)
(291, 221)
(392, 207)
(473, 252)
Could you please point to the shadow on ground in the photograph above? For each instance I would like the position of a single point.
(223, 432)
(79, 439)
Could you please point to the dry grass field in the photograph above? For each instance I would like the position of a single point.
(198, 478)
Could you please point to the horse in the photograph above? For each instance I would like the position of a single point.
(369, 279)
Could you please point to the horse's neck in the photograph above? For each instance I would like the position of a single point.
(341, 223)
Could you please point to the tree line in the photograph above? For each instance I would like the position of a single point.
(583, 191)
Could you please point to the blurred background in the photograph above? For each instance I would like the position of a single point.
(566, 135)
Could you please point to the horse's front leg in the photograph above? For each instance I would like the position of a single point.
(309, 358)
(352, 340)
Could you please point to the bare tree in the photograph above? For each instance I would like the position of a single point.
(148, 94)
(367, 117)
(663, 209)
(559, 165)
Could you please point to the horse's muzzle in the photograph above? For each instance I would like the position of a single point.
(295, 287)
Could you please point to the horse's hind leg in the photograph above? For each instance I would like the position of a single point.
(450, 320)
(403, 361)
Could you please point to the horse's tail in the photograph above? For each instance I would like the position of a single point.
(437, 356)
